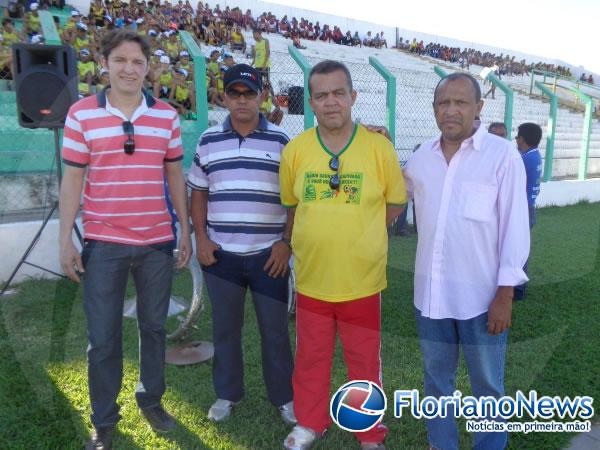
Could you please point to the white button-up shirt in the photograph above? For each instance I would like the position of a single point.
(473, 224)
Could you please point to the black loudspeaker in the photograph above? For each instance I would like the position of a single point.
(296, 100)
(46, 83)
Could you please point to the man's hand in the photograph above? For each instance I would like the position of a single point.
(278, 263)
(380, 130)
(206, 250)
(185, 250)
(500, 312)
(70, 260)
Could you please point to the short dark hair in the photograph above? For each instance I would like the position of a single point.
(329, 66)
(460, 76)
(114, 38)
(496, 125)
(531, 133)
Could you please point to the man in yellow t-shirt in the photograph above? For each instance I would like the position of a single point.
(261, 54)
(343, 186)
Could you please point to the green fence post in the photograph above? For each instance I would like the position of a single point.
(51, 36)
(200, 76)
(440, 72)
(309, 116)
(551, 131)
(508, 102)
(587, 130)
(531, 84)
(390, 102)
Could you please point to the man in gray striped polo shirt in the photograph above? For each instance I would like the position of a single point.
(242, 241)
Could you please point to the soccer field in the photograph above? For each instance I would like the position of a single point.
(553, 348)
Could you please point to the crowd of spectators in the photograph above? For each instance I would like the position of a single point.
(171, 74)
(507, 64)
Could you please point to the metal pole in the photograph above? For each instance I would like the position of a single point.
(390, 96)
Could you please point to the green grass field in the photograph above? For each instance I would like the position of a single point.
(553, 348)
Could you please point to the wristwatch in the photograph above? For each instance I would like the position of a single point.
(287, 241)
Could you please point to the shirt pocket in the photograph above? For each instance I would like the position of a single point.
(479, 201)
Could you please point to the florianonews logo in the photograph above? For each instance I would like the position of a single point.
(358, 406)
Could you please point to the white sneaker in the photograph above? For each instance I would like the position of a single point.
(220, 410)
(300, 438)
(287, 413)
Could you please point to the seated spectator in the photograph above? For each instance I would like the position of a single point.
(182, 95)
(163, 78)
(32, 23)
(356, 40)
(347, 39)
(86, 69)
(185, 63)
(382, 39)
(296, 41)
(498, 128)
(368, 40)
(590, 79)
(237, 41)
(5, 60)
(9, 34)
(269, 106)
(337, 35)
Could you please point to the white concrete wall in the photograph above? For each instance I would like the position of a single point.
(15, 237)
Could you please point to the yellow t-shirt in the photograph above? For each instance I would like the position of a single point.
(236, 37)
(340, 237)
(81, 43)
(260, 52)
(85, 68)
(34, 23)
(9, 38)
(181, 94)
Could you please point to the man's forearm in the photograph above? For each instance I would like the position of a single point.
(69, 200)
(289, 226)
(391, 213)
(199, 212)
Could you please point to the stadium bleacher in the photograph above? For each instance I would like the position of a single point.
(31, 151)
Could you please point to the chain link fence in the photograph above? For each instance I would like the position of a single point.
(27, 166)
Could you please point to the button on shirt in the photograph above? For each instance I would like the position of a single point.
(473, 224)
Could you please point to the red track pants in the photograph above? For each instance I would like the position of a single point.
(317, 322)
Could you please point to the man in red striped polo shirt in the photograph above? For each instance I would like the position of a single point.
(124, 143)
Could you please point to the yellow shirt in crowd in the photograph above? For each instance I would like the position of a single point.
(340, 237)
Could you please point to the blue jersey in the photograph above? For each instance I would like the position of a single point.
(533, 168)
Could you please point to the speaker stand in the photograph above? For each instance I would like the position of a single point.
(37, 236)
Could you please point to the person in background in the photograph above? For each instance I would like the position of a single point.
(499, 129)
(261, 54)
(269, 106)
(528, 140)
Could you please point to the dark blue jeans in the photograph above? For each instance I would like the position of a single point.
(107, 267)
(440, 340)
(227, 281)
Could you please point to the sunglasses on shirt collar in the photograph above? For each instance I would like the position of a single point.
(129, 145)
(334, 181)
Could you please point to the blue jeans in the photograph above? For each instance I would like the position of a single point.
(484, 354)
(107, 266)
(226, 282)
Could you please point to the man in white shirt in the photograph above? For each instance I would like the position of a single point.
(473, 242)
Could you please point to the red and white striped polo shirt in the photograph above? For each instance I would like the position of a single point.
(124, 198)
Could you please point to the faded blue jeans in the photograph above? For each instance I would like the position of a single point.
(107, 267)
(440, 340)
